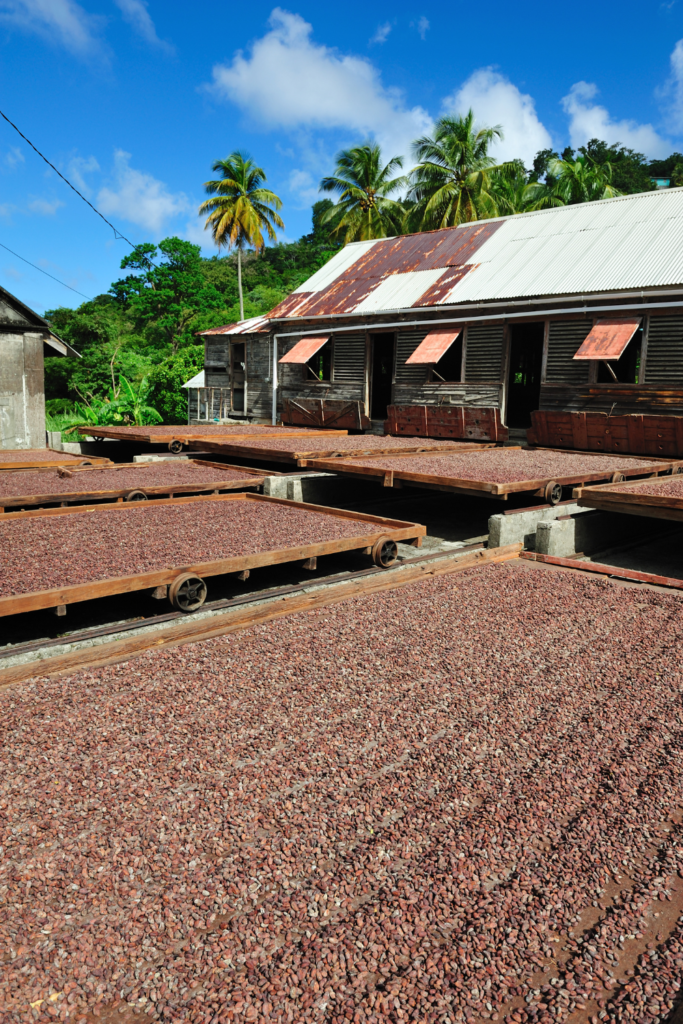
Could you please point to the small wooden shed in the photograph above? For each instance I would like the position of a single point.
(25, 339)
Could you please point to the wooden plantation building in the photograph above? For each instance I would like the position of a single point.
(25, 339)
(567, 321)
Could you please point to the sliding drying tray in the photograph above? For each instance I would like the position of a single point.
(128, 481)
(177, 437)
(660, 499)
(34, 458)
(323, 446)
(496, 472)
(56, 557)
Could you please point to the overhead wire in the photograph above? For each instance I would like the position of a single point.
(117, 233)
(63, 283)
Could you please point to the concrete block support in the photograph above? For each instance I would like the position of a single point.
(54, 440)
(521, 526)
(593, 532)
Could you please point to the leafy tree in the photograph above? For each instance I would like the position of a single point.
(580, 180)
(364, 208)
(132, 403)
(167, 379)
(539, 170)
(511, 191)
(166, 300)
(242, 209)
(630, 172)
(452, 181)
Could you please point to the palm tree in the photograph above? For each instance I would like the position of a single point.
(511, 191)
(575, 181)
(241, 210)
(452, 181)
(364, 209)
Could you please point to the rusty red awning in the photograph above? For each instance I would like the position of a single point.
(609, 338)
(431, 348)
(304, 349)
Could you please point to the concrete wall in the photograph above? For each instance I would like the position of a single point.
(22, 393)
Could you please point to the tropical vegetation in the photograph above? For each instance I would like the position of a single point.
(138, 343)
(241, 209)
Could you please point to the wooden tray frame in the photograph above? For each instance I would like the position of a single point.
(397, 529)
(61, 459)
(185, 434)
(455, 485)
(304, 458)
(250, 478)
(657, 506)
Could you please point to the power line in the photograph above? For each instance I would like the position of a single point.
(117, 233)
(63, 283)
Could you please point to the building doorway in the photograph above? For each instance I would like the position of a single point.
(382, 375)
(238, 377)
(524, 373)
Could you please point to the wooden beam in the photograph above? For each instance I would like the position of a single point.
(193, 630)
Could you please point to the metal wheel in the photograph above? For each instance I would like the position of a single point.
(384, 552)
(85, 462)
(677, 469)
(553, 492)
(135, 496)
(617, 477)
(187, 593)
(175, 447)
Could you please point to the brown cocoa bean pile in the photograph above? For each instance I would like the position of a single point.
(299, 448)
(509, 465)
(39, 455)
(169, 473)
(42, 552)
(458, 801)
(669, 487)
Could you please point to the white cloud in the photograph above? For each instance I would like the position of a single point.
(45, 207)
(136, 14)
(78, 166)
(495, 100)
(673, 90)
(288, 81)
(301, 183)
(422, 27)
(587, 121)
(195, 233)
(12, 273)
(62, 21)
(382, 33)
(139, 198)
(14, 157)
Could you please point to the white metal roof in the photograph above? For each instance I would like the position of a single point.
(631, 242)
(195, 382)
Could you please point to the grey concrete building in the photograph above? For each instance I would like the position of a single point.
(25, 340)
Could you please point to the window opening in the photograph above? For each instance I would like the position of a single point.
(319, 366)
(449, 368)
(382, 375)
(238, 375)
(626, 369)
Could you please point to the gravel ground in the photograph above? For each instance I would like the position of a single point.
(38, 455)
(149, 474)
(669, 487)
(507, 465)
(52, 551)
(449, 802)
(351, 443)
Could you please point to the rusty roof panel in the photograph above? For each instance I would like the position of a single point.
(441, 288)
(433, 346)
(609, 338)
(304, 349)
(255, 325)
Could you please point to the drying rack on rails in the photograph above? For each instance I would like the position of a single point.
(495, 472)
(183, 582)
(123, 481)
(658, 498)
(39, 458)
(177, 437)
(300, 452)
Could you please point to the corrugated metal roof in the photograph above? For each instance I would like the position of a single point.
(632, 242)
(255, 325)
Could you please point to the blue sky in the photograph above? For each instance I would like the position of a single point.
(134, 100)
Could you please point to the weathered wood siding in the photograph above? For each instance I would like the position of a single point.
(412, 388)
(564, 340)
(348, 372)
